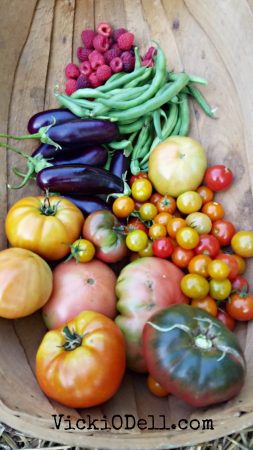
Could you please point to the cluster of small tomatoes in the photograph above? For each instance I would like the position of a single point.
(191, 231)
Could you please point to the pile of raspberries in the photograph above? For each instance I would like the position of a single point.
(104, 52)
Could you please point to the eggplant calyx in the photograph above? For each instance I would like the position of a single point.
(126, 189)
(203, 342)
(73, 339)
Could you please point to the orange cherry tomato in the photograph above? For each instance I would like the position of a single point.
(207, 303)
(214, 210)
(155, 388)
(205, 193)
(123, 206)
(241, 264)
(157, 230)
(174, 225)
(199, 265)
(155, 198)
(166, 204)
(181, 257)
(163, 218)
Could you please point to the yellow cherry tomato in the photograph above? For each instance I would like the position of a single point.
(241, 263)
(148, 211)
(218, 269)
(189, 202)
(199, 265)
(157, 230)
(136, 240)
(220, 289)
(147, 251)
(123, 206)
(194, 286)
(83, 250)
(200, 222)
(187, 238)
(242, 243)
(141, 189)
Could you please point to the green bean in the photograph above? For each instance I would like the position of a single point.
(138, 62)
(100, 110)
(114, 77)
(133, 126)
(142, 138)
(88, 93)
(184, 113)
(167, 128)
(153, 103)
(196, 94)
(172, 76)
(121, 81)
(177, 127)
(84, 103)
(146, 147)
(119, 145)
(76, 109)
(128, 93)
(137, 81)
(157, 122)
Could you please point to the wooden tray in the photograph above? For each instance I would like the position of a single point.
(211, 38)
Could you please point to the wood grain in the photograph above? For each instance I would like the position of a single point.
(203, 37)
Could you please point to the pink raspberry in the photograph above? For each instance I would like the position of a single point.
(151, 52)
(72, 71)
(83, 82)
(111, 41)
(103, 72)
(115, 45)
(96, 59)
(118, 32)
(128, 61)
(83, 53)
(85, 68)
(87, 37)
(111, 54)
(95, 82)
(70, 86)
(125, 41)
(147, 63)
(116, 64)
(105, 29)
(101, 43)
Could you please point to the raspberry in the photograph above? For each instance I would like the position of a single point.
(151, 52)
(116, 64)
(83, 82)
(125, 41)
(101, 43)
(117, 48)
(72, 71)
(70, 86)
(105, 29)
(83, 53)
(85, 68)
(95, 82)
(111, 54)
(128, 61)
(103, 72)
(87, 37)
(117, 33)
(96, 59)
(148, 62)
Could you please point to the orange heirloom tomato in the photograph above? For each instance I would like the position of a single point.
(44, 225)
(155, 388)
(82, 363)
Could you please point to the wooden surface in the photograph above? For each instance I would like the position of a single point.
(211, 38)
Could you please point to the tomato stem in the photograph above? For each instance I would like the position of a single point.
(73, 339)
(46, 208)
(203, 342)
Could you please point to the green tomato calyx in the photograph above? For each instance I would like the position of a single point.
(203, 342)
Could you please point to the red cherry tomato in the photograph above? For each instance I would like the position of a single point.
(218, 178)
(162, 247)
(208, 245)
(240, 283)
(155, 198)
(155, 388)
(223, 231)
(225, 318)
(137, 177)
(232, 264)
(181, 256)
(135, 224)
(240, 306)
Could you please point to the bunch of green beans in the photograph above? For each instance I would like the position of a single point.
(148, 104)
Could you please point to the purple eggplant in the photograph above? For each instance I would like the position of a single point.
(94, 156)
(45, 118)
(119, 164)
(79, 179)
(88, 204)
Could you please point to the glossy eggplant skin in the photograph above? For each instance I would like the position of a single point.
(75, 133)
(88, 204)
(79, 179)
(120, 164)
(45, 118)
(93, 156)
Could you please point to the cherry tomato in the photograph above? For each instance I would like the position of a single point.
(187, 238)
(163, 218)
(205, 193)
(200, 222)
(157, 230)
(166, 204)
(225, 318)
(199, 265)
(162, 247)
(137, 177)
(174, 225)
(83, 250)
(232, 264)
(135, 224)
(218, 178)
(240, 284)
(155, 198)
(208, 245)
(141, 189)
(214, 210)
(242, 243)
(136, 240)
(207, 303)
(218, 269)
(137, 205)
(177, 214)
(223, 231)
(155, 388)
(123, 206)
(148, 211)
(181, 256)
(134, 256)
(189, 202)
(194, 286)
(220, 289)
(147, 251)
(241, 263)
(240, 306)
